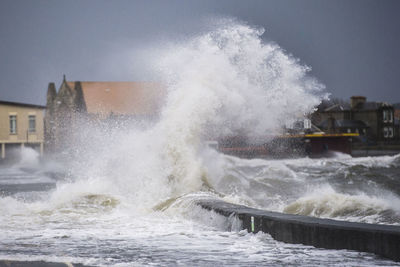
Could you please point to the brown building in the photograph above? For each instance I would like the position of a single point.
(374, 121)
(20, 125)
(78, 102)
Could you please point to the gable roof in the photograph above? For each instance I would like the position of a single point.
(121, 98)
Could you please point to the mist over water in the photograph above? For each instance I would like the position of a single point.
(125, 195)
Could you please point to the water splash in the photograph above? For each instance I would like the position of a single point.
(223, 82)
(228, 82)
(29, 157)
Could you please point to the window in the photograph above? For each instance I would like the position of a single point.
(289, 124)
(390, 116)
(32, 123)
(385, 132)
(307, 124)
(13, 124)
(385, 116)
(390, 132)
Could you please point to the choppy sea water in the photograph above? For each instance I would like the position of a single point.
(47, 215)
(123, 193)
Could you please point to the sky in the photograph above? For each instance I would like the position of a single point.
(353, 47)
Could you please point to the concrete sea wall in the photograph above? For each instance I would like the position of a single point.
(383, 240)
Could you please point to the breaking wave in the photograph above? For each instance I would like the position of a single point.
(223, 82)
(327, 203)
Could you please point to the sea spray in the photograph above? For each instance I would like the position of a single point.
(227, 82)
(223, 82)
(29, 157)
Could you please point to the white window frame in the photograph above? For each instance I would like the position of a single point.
(390, 132)
(307, 124)
(390, 116)
(385, 115)
(385, 132)
(289, 125)
(32, 118)
(13, 124)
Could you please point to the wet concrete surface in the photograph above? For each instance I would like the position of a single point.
(383, 240)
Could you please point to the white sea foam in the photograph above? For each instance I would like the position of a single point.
(326, 202)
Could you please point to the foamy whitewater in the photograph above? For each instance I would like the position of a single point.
(125, 195)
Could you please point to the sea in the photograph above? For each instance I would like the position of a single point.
(45, 215)
(125, 194)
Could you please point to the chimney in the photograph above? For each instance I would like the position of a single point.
(357, 102)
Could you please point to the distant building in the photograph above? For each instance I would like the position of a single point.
(78, 102)
(20, 125)
(397, 115)
(374, 121)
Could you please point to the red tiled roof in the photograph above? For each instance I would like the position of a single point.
(121, 98)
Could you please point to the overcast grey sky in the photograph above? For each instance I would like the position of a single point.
(352, 46)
